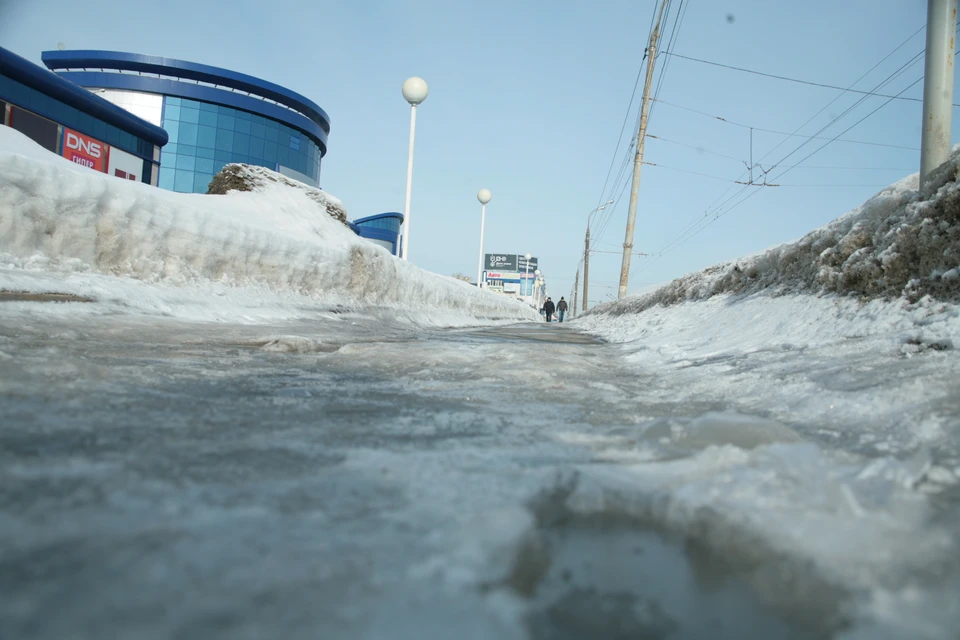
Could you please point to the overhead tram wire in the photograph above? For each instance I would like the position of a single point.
(705, 220)
(785, 133)
(720, 213)
(692, 229)
(826, 106)
(797, 80)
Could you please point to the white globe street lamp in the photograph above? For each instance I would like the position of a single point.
(484, 196)
(414, 91)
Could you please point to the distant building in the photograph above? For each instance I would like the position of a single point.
(513, 275)
(382, 229)
(213, 116)
(70, 121)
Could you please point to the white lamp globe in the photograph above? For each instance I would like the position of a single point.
(415, 90)
(537, 272)
(527, 256)
(484, 196)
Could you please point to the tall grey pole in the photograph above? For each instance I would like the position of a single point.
(586, 266)
(576, 290)
(938, 86)
(406, 200)
(638, 158)
(483, 216)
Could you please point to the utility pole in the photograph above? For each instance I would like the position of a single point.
(576, 289)
(586, 266)
(638, 158)
(937, 86)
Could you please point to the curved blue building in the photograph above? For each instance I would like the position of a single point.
(382, 229)
(213, 116)
(69, 121)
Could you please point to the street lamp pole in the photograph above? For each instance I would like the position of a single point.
(484, 196)
(586, 253)
(538, 288)
(414, 91)
(526, 273)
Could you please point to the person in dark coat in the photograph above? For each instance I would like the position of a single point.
(548, 309)
(561, 309)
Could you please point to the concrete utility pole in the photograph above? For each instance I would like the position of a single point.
(638, 158)
(576, 289)
(586, 266)
(586, 252)
(938, 86)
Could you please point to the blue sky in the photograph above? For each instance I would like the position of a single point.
(527, 99)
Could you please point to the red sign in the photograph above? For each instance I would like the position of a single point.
(83, 149)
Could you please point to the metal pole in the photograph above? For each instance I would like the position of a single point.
(483, 215)
(751, 155)
(526, 273)
(938, 86)
(638, 158)
(576, 290)
(406, 203)
(586, 266)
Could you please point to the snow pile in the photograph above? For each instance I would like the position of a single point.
(899, 243)
(248, 177)
(70, 223)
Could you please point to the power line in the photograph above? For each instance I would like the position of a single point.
(697, 149)
(797, 80)
(784, 133)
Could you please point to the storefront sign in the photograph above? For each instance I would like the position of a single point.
(83, 150)
(124, 165)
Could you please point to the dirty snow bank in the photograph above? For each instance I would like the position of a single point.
(72, 226)
(899, 243)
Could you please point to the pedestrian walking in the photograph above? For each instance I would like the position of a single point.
(548, 309)
(561, 309)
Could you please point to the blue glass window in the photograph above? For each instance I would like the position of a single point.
(295, 142)
(183, 181)
(206, 136)
(187, 150)
(201, 182)
(206, 106)
(257, 130)
(189, 115)
(205, 165)
(272, 134)
(166, 178)
(188, 133)
(241, 144)
(241, 126)
(169, 148)
(223, 156)
(172, 112)
(242, 115)
(225, 122)
(168, 160)
(224, 140)
(256, 147)
(208, 118)
(270, 152)
(171, 101)
(205, 153)
(188, 163)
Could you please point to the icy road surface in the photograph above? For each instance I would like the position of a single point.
(355, 478)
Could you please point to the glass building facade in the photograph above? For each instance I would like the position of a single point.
(382, 229)
(204, 137)
(213, 116)
(61, 117)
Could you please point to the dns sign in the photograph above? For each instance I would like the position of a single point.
(83, 150)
